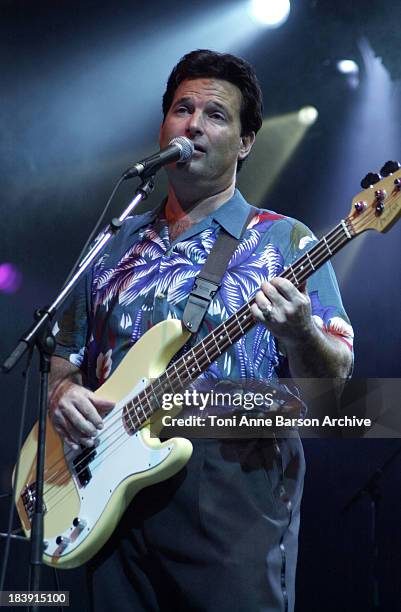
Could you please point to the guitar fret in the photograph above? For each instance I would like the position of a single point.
(129, 414)
(156, 397)
(140, 404)
(206, 353)
(310, 261)
(165, 382)
(197, 364)
(216, 343)
(345, 228)
(239, 322)
(184, 360)
(291, 269)
(176, 371)
(226, 331)
(327, 246)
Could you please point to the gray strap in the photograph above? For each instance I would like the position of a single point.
(209, 279)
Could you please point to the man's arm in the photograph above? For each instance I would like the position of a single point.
(74, 410)
(287, 313)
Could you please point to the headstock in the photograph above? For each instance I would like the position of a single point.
(378, 206)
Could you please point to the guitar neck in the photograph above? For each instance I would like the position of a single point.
(195, 361)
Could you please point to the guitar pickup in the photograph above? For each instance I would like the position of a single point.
(81, 463)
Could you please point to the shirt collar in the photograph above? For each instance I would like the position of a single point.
(232, 214)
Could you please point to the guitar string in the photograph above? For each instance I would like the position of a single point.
(323, 243)
(139, 421)
(246, 323)
(117, 415)
(202, 345)
(184, 370)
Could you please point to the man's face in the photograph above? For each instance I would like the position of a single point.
(207, 111)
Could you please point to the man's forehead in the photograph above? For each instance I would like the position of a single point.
(209, 88)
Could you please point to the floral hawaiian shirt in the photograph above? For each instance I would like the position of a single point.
(143, 278)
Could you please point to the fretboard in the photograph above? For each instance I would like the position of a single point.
(187, 368)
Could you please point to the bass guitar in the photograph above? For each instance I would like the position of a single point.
(87, 491)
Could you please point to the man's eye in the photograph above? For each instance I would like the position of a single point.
(181, 109)
(218, 116)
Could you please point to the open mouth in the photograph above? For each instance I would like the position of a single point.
(199, 148)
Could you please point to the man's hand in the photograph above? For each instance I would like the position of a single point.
(287, 313)
(285, 310)
(76, 413)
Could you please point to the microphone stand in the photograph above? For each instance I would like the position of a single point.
(41, 336)
(372, 488)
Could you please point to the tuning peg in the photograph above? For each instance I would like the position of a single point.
(389, 168)
(370, 179)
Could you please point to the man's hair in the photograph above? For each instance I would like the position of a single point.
(204, 63)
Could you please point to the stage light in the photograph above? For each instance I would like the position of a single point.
(308, 115)
(272, 13)
(10, 278)
(347, 66)
(276, 142)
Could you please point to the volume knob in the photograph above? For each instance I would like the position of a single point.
(62, 541)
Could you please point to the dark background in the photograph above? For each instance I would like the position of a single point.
(81, 86)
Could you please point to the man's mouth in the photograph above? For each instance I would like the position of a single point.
(199, 148)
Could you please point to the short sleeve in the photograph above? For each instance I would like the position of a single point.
(72, 326)
(327, 308)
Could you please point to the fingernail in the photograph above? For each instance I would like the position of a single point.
(100, 425)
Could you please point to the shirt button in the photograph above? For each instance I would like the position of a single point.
(160, 295)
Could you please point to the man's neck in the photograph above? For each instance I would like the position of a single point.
(183, 213)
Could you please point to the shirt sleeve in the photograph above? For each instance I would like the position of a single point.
(327, 308)
(72, 326)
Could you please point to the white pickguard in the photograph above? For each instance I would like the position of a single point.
(113, 463)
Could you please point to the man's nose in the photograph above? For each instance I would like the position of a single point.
(194, 124)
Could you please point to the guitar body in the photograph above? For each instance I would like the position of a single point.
(123, 462)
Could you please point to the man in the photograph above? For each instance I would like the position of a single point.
(222, 533)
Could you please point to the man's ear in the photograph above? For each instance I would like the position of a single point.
(246, 145)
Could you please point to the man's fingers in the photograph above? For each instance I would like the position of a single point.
(102, 405)
(85, 404)
(67, 427)
(75, 414)
(302, 287)
(284, 288)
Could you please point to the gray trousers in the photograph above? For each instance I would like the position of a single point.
(221, 535)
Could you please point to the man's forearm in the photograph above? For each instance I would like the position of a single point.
(321, 355)
(62, 372)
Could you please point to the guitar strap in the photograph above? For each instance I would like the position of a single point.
(209, 279)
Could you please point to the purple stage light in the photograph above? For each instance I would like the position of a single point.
(10, 278)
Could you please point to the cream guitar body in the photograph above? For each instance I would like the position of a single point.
(80, 516)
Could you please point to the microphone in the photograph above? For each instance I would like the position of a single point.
(179, 149)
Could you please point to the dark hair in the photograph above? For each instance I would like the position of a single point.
(210, 64)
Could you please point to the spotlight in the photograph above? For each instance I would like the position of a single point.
(347, 66)
(271, 13)
(307, 115)
(10, 278)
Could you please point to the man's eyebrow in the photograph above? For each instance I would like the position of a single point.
(189, 100)
(182, 100)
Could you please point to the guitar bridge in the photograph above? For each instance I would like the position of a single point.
(28, 497)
